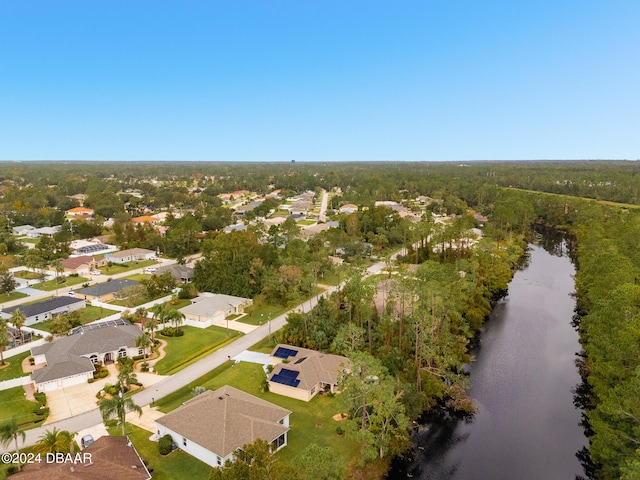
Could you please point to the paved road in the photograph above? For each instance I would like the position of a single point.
(192, 372)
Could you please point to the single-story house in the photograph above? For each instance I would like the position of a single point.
(22, 230)
(70, 360)
(181, 273)
(215, 424)
(306, 372)
(348, 208)
(208, 308)
(106, 458)
(81, 265)
(130, 255)
(145, 219)
(104, 292)
(41, 311)
(238, 227)
(44, 231)
(79, 211)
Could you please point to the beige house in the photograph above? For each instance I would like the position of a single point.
(302, 373)
(215, 424)
(81, 265)
(210, 308)
(130, 255)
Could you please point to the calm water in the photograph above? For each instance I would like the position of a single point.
(526, 426)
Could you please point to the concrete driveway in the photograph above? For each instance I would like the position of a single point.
(71, 401)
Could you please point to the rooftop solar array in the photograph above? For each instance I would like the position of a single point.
(283, 352)
(287, 377)
(106, 323)
(92, 248)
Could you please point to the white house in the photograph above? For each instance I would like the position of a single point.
(70, 360)
(130, 255)
(213, 425)
(210, 308)
(41, 311)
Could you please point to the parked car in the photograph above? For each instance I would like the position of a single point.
(151, 269)
(95, 272)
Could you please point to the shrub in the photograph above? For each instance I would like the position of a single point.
(41, 398)
(178, 333)
(339, 430)
(165, 445)
(91, 380)
(103, 374)
(138, 357)
(167, 332)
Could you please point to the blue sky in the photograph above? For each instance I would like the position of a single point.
(319, 81)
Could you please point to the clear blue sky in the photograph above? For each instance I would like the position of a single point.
(272, 80)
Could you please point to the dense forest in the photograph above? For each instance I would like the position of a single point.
(415, 343)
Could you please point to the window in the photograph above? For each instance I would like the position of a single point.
(184, 442)
(279, 442)
(313, 390)
(218, 460)
(37, 318)
(140, 351)
(93, 358)
(122, 352)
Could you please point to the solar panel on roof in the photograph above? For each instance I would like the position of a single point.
(290, 382)
(285, 372)
(283, 352)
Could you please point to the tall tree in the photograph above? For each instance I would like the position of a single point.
(18, 320)
(9, 430)
(54, 441)
(116, 407)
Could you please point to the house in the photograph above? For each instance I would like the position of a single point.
(145, 219)
(81, 265)
(22, 230)
(215, 424)
(104, 292)
(44, 231)
(238, 227)
(41, 311)
(70, 360)
(305, 373)
(348, 208)
(181, 273)
(208, 309)
(130, 255)
(79, 212)
(110, 457)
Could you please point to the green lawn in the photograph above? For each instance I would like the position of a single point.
(87, 315)
(138, 277)
(7, 297)
(13, 403)
(260, 315)
(52, 284)
(14, 370)
(195, 344)
(177, 465)
(306, 222)
(114, 269)
(305, 417)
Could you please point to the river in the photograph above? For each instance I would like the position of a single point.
(522, 380)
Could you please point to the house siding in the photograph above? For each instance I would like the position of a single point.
(198, 451)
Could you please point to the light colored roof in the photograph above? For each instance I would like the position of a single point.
(79, 210)
(144, 218)
(65, 355)
(313, 366)
(225, 420)
(177, 271)
(209, 305)
(131, 251)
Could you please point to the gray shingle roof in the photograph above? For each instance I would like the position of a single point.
(105, 288)
(65, 355)
(225, 420)
(44, 306)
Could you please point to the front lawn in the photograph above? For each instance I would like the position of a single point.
(176, 465)
(262, 314)
(86, 315)
(8, 297)
(311, 422)
(27, 274)
(53, 284)
(195, 344)
(14, 369)
(14, 404)
(115, 268)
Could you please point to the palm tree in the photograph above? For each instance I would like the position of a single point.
(117, 407)
(151, 326)
(176, 317)
(56, 441)
(18, 320)
(160, 311)
(57, 265)
(144, 342)
(4, 338)
(10, 430)
(126, 377)
(139, 314)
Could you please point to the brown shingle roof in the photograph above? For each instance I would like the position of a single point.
(225, 420)
(111, 457)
